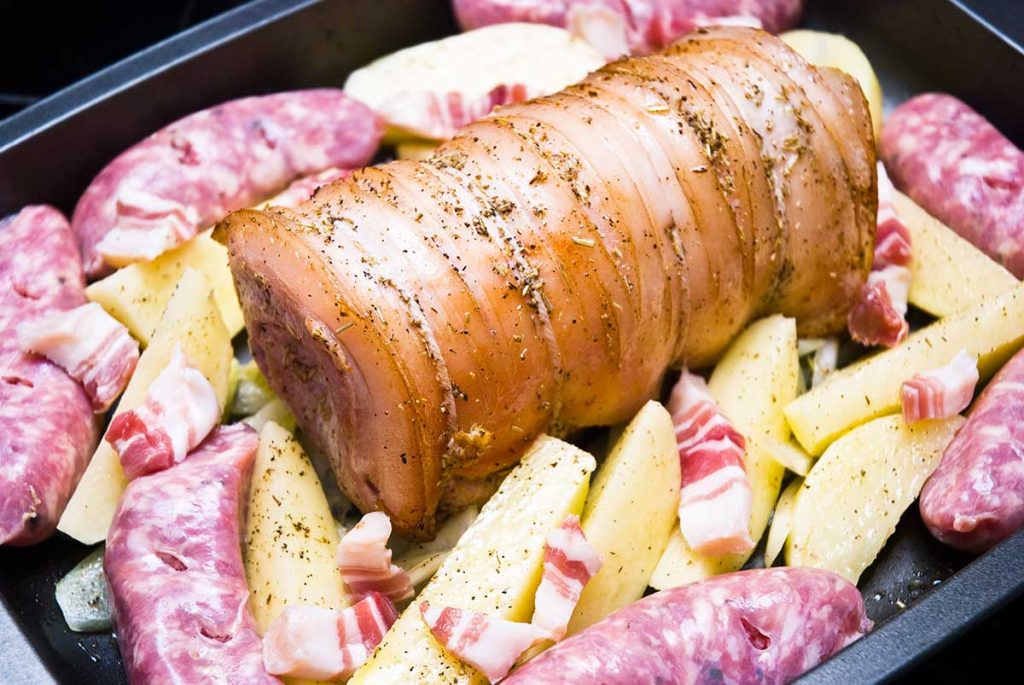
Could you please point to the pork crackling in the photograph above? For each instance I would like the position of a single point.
(426, 320)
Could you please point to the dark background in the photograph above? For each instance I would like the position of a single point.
(46, 45)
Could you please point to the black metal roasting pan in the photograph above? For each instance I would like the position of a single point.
(920, 593)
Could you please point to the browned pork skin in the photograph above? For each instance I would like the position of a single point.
(425, 321)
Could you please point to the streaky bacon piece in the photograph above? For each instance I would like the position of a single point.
(326, 644)
(942, 392)
(180, 410)
(487, 643)
(569, 564)
(365, 561)
(148, 226)
(879, 315)
(715, 499)
(892, 237)
(93, 347)
(304, 188)
(439, 116)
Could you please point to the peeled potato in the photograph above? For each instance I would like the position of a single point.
(755, 379)
(193, 320)
(851, 500)
(992, 329)
(290, 535)
(138, 294)
(782, 520)
(948, 274)
(788, 454)
(629, 514)
(495, 568)
(837, 51)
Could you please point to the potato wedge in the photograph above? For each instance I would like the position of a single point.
(948, 274)
(495, 568)
(834, 50)
(290, 535)
(992, 329)
(851, 500)
(788, 454)
(138, 294)
(193, 320)
(757, 376)
(782, 519)
(629, 514)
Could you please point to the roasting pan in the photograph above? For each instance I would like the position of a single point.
(920, 593)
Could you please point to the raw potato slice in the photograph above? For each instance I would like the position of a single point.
(629, 514)
(782, 520)
(138, 294)
(791, 456)
(494, 569)
(948, 274)
(833, 50)
(852, 499)
(543, 58)
(291, 537)
(192, 319)
(992, 330)
(756, 377)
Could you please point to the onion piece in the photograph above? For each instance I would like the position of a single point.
(82, 596)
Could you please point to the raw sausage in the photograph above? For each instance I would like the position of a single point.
(763, 626)
(365, 561)
(164, 190)
(174, 565)
(47, 427)
(426, 320)
(975, 498)
(92, 346)
(960, 168)
(647, 25)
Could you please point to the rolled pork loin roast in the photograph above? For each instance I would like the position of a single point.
(543, 270)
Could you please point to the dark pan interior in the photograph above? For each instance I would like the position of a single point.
(50, 152)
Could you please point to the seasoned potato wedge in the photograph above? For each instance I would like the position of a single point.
(495, 568)
(992, 329)
(834, 50)
(629, 514)
(757, 376)
(192, 319)
(782, 520)
(788, 454)
(851, 500)
(137, 294)
(948, 274)
(290, 535)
